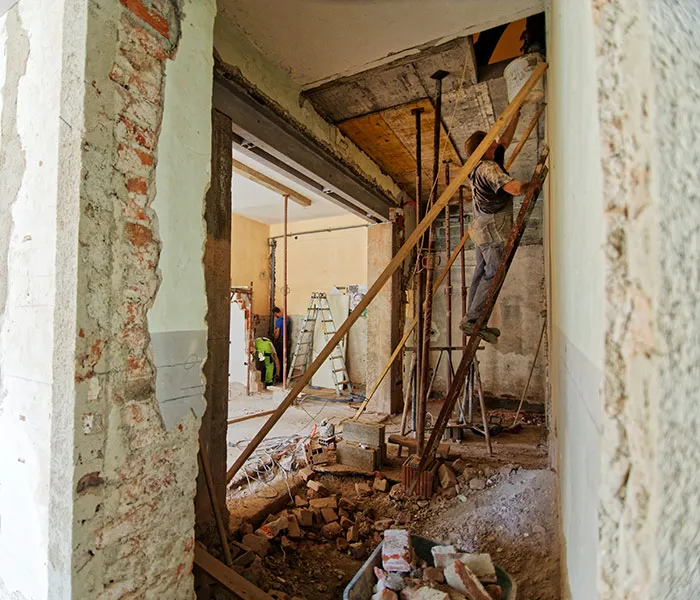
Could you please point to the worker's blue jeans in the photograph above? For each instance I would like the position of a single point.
(488, 257)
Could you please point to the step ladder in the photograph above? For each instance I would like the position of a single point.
(303, 353)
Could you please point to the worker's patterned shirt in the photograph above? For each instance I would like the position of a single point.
(487, 180)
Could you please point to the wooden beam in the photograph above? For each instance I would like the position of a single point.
(526, 134)
(223, 538)
(255, 176)
(262, 413)
(217, 281)
(232, 581)
(391, 268)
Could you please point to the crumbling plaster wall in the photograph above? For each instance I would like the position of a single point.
(238, 53)
(30, 96)
(576, 268)
(133, 513)
(649, 106)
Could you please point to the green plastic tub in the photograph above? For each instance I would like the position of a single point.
(361, 586)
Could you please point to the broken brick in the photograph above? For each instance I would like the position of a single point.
(447, 476)
(381, 484)
(353, 535)
(461, 578)
(396, 550)
(317, 487)
(307, 473)
(358, 550)
(329, 515)
(293, 529)
(332, 530)
(341, 543)
(323, 502)
(304, 516)
(257, 543)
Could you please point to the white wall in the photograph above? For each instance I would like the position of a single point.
(575, 238)
(176, 321)
(31, 40)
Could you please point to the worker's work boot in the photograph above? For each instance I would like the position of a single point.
(488, 334)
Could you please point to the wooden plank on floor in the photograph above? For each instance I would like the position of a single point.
(232, 581)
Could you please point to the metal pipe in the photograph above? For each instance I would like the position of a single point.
(438, 76)
(425, 352)
(273, 266)
(418, 277)
(448, 282)
(327, 230)
(284, 309)
(463, 265)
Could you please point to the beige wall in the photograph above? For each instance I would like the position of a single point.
(321, 260)
(575, 238)
(250, 260)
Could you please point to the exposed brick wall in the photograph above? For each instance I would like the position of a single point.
(135, 481)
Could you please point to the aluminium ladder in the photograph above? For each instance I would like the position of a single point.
(303, 353)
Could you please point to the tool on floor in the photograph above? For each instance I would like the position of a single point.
(303, 353)
(511, 246)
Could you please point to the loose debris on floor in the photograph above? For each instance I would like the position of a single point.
(312, 546)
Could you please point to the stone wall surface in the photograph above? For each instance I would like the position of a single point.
(649, 88)
(675, 52)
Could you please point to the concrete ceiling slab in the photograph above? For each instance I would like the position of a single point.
(317, 41)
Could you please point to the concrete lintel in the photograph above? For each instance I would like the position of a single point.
(261, 126)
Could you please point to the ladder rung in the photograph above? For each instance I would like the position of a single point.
(344, 382)
(338, 370)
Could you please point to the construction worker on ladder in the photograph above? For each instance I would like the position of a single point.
(492, 195)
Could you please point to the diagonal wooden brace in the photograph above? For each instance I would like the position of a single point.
(396, 262)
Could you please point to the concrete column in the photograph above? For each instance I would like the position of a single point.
(383, 320)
